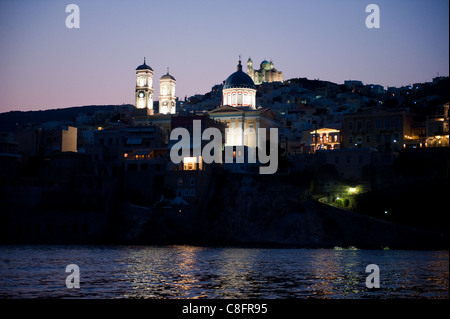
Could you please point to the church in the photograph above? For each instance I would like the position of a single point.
(266, 72)
(144, 91)
(238, 110)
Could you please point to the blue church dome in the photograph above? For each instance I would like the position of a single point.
(144, 67)
(167, 76)
(239, 79)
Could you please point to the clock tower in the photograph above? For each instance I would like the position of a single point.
(167, 99)
(144, 88)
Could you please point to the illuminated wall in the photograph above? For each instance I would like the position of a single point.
(239, 97)
(241, 131)
(69, 139)
(242, 125)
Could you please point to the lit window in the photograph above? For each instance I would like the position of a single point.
(190, 163)
(180, 181)
(239, 98)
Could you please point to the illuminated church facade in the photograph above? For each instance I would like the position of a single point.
(238, 110)
(266, 72)
(144, 88)
(167, 99)
(144, 91)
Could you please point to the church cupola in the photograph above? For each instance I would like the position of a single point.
(239, 90)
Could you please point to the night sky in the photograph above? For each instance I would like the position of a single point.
(45, 65)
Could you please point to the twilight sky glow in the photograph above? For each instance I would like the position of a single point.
(45, 65)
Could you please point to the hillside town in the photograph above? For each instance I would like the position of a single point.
(105, 175)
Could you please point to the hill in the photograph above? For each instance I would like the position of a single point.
(9, 121)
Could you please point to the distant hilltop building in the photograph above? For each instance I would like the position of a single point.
(266, 72)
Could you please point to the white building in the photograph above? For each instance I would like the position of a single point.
(266, 72)
(238, 111)
(167, 99)
(144, 88)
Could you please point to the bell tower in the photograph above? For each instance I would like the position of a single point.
(249, 64)
(167, 99)
(250, 70)
(144, 88)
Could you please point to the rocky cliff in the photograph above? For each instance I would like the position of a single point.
(269, 210)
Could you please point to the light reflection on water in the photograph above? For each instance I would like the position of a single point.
(199, 272)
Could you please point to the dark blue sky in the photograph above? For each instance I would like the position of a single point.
(45, 65)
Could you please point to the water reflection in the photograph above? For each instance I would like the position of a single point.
(236, 273)
(198, 272)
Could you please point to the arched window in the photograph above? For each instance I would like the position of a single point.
(233, 101)
(239, 98)
(244, 101)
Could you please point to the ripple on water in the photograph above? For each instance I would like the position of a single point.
(199, 272)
